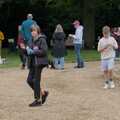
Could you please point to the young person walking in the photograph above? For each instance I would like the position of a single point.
(106, 46)
(37, 60)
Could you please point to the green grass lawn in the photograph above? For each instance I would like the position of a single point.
(14, 61)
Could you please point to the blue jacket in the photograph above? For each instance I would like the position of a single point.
(26, 25)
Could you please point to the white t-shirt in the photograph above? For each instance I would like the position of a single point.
(109, 52)
(78, 37)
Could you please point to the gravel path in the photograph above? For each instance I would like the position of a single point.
(75, 94)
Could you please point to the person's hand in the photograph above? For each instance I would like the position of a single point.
(29, 50)
(22, 46)
(35, 48)
(109, 45)
(71, 35)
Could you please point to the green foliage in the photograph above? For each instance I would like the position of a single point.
(52, 12)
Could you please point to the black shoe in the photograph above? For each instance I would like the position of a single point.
(35, 103)
(44, 97)
(23, 67)
(78, 66)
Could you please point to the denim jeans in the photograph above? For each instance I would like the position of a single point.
(77, 48)
(59, 63)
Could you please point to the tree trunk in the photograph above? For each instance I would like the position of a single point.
(89, 24)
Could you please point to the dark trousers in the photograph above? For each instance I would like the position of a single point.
(117, 52)
(22, 56)
(34, 79)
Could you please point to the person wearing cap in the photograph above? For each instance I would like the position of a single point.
(78, 39)
(25, 28)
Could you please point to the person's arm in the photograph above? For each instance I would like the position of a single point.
(22, 30)
(41, 50)
(78, 34)
(101, 48)
(72, 35)
(113, 44)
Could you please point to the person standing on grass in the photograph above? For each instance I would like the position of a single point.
(21, 48)
(59, 49)
(78, 41)
(37, 60)
(106, 46)
(25, 28)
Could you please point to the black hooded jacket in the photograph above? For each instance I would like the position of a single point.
(39, 56)
(59, 44)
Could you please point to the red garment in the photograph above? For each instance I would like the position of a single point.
(20, 39)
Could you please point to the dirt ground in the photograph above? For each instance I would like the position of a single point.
(75, 94)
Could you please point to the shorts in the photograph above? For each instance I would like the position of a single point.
(107, 64)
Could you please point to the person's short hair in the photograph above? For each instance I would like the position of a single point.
(35, 27)
(106, 29)
(29, 16)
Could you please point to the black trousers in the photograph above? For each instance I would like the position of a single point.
(22, 56)
(34, 79)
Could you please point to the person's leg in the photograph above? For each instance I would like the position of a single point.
(106, 78)
(24, 59)
(62, 63)
(104, 68)
(21, 58)
(81, 59)
(56, 61)
(80, 62)
(37, 79)
(110, 73)
(30, 78)
(77, 52)
(52, 64)
(117, 53)
(39, 95)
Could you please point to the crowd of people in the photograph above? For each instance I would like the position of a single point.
(33, 50)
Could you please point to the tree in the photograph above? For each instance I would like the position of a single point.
(52, 12)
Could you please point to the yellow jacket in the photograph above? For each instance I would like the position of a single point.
(1, 36)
